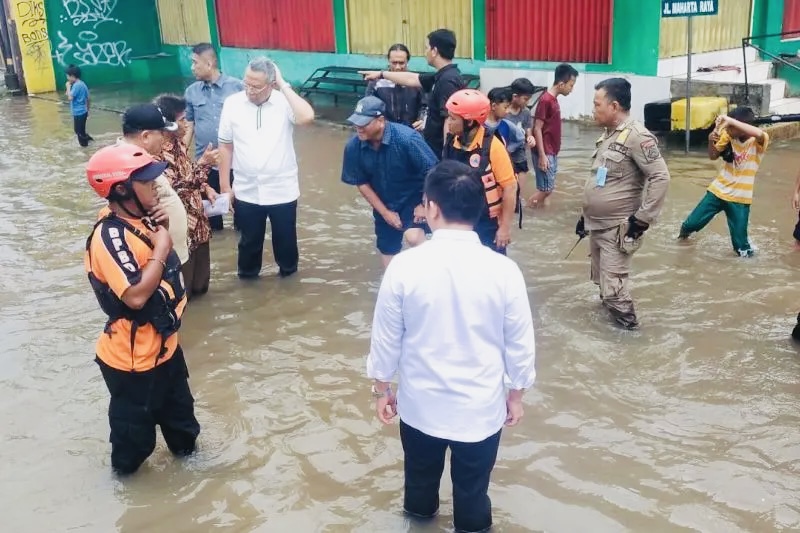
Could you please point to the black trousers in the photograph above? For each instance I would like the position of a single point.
(471, 467)
(142, 400)
(213, 180)
(252, 221)
(79, 125)
(486, 228)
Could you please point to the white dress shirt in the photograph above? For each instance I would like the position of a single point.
(453, 318)
(264, 163)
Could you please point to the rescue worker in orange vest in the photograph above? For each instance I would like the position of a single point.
(471, 142)
(136, 277)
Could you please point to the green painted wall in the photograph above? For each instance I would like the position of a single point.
(110, 41)
(340, 26)
(634, 47)
(212, 22)
(767, 20)
(183, 58)
(479, 29)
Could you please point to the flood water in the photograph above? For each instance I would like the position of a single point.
(690, 424)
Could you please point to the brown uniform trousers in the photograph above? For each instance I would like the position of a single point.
(636, 184)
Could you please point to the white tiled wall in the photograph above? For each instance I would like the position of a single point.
(577, 105)
(675, 66)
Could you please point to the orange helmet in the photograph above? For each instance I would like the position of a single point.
(119, 163)
(469, 104)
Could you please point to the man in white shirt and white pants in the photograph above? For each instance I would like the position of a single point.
(256, 130)
(454, 320)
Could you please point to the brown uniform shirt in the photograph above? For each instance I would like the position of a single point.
(636, 182)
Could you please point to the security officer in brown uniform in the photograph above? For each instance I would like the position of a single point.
(622, 197)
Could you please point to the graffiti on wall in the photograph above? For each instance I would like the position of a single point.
(87, 48)
(93, 12)
(32, 31)
(88, 51)
(34, 45)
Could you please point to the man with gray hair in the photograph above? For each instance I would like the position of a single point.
(255, 141)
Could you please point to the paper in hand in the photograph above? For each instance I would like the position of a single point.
(221, 206)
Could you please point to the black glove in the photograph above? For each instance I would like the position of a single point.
(580, 229)
(636, 228)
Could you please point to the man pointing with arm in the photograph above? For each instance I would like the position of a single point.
(441, 85)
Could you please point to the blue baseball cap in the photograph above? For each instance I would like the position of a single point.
(367, 109)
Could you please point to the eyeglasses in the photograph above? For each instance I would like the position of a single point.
(255, 90)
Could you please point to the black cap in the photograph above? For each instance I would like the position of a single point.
(143, 117)
(150, 171)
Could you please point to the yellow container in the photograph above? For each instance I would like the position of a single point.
(705, 110)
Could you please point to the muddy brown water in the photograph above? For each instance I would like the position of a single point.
(690, 424)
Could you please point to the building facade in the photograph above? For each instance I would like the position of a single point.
(498, 39)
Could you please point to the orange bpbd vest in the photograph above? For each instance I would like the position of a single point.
(480, 161)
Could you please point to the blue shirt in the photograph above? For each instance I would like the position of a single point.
(396, 170)
(79, 104)
(204, 106)
(514, 137)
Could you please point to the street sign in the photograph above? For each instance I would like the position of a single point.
(689, 8)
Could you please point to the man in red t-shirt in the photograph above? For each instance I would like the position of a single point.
(547, 131)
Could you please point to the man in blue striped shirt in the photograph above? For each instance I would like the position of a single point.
(388, 163)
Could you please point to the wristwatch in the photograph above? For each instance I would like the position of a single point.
(380, 394)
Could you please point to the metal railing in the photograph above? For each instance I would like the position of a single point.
(748, 41)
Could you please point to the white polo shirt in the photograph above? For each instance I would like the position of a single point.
(264, 162)
(453, 319)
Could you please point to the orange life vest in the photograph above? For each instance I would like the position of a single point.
(479, 160)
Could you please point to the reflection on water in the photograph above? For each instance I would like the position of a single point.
(690, 424)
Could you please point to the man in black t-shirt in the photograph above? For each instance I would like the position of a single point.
(441, 84)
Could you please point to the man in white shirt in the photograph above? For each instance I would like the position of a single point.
(255, 140)
(453, 319)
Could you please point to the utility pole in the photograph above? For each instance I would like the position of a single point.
(6, 51)
(689, 82)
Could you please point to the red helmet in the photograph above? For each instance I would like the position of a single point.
(115, 164)
(469, 104)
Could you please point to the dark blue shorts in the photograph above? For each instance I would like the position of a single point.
(521, 167)
(390, 240)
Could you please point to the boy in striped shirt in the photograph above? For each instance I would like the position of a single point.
(742, 146)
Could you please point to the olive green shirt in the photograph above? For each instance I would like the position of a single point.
(636, 182)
